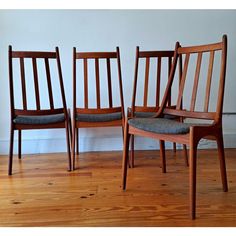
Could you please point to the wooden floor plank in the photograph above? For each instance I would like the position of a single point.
(42, 193)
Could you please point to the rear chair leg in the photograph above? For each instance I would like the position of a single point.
(163, 155)
(174, 147)
(68, 144)
(132, 151)
(11, 151)
(74, 137)
(221, 154)
(185, 154)
(77, 141)
(70, 126)
(125, 154)
(19, 144)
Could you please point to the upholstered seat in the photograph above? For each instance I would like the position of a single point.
(98, 117)
(39, 120)
(160, 125)
(141, 114)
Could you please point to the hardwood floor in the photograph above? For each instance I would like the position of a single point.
(42, 193)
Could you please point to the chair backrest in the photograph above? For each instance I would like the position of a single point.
(160, 59)
(202, 112)
(96, 58)
(27, 95)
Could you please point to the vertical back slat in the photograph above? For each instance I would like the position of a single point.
(135, 81)
(49, 83)
(196, 79)
(145, 98)
(180, 74)
(97, 83)
(169, 69)
(36, 85)
(158, 81)
(22, 71)
(121, 86)
(11, 83)
(209, 77)
(180, 68)
(221, 87)
(85, 82)
(74, 82)
(182, 83)
(109, 82)
(61, 81)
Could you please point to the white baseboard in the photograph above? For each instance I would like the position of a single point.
(105, 143)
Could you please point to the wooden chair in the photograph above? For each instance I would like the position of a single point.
(85, 116)
(187, 133)
(146, 110)
(23, 117)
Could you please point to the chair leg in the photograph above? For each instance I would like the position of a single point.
(74, 137)
(132, 151)
(174, 147)
(11, 151)
(68, 144)
(192, 180)
(125, 154)
(19, 144)
(70, 127)
(130, 158)
(163, 155)
(77, 141)
(185, 154)
(221, 154)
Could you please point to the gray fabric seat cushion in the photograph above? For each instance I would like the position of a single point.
(140, 114)
(160, 125)
(98, 117)
(39, 120)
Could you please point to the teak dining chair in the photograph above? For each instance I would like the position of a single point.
(85, 116)
(23, 116)
(187, 133)
(163, 62)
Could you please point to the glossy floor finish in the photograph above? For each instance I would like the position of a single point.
(42, 193)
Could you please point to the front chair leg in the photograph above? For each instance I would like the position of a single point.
(192, 179)
(19, 144)
(11, 151)
(221, 154)
(125, 154)
(163, 155)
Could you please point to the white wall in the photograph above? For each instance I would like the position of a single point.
(103, 30)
